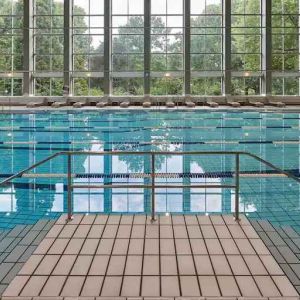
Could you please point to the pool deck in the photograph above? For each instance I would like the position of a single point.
(128, 256)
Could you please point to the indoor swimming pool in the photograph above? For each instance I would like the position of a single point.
(26, 138)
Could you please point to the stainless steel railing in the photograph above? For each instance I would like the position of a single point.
(153, 186)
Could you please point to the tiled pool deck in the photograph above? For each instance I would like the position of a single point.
(128, 256)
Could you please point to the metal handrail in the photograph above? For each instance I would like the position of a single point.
(153, 185)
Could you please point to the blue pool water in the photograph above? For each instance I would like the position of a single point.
(30, 137)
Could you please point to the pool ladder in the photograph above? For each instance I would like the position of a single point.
(152, 175)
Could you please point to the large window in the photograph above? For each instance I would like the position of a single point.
(48, 47)
(128, 47)
(111, 42)
(11, 25)
(285, 46)
(167, 47)
(88, 47)
(206, 47)
(246, 46)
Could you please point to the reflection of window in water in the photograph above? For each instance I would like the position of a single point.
(205, 200)
(170, 200)
(126, 199)
(8, 199)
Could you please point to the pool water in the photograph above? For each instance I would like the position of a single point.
(26, 138)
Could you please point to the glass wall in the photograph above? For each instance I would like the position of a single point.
(246, 46)
(127, 37)
(206, 47)
(11, 60)
(88, 47)
(167, 47)
(48, 33)
(127, 55)
(285, 47)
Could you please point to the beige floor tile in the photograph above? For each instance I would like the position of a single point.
(47, 265)
(101, 219)
(178, 220)
(222, 232)
(150, 286)
(116, 265)
(54, 231)
(285, 286)
(88, 219)
(34, 286)
(167, 247)
(169, 286)
(136, 247)
(259, 247)
(64, 265)
(131, 286)
(89, 247)
(152, 231)
(229, 246)
(198, 246)
(194, 232)
(271, 265)
(238, 265)
(16, 286)
(113, 219)
(250, 232)
(126, 220)
(67, 231)
(166, 232)
(189, 286)
(82, 231)
(203, 265)
(186, 265)
(99, 265)
(82, 265)
(96, 231)
(44, 246)
(228, 286)
(182, 247)
(191, 220)
(73, 286)
(92, 286)
(244, 246)
(217, 220)
(204, 220)
(214, 246)
(266, 286)
(105, 246)
(58, 246)
(138, 232)
(209, 286)
(139, 219)
(168, 265)
(74, 246)
(220, 265)
(120, 247)
(255, 265)
(134, 265)
(151, 265)
(124, 231)
(236, 231)
(31, 265)
(110, 231)
(151, 246)
(164, 220)
(180, 232)
(208, 232)
(247, 286)
(53, 286)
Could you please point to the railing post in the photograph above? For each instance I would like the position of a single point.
(153, 187)
(69, 204)
(237, 188)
